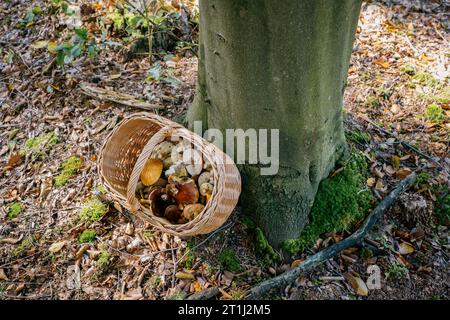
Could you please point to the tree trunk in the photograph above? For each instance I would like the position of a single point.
(269, 64)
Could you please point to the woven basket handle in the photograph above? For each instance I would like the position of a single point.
(162, 134)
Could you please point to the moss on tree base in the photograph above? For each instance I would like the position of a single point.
(341, 201)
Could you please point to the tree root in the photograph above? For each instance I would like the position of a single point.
(355, 239)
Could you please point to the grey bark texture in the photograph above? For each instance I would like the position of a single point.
(268, 64)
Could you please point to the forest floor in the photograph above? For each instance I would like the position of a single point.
(398, 109)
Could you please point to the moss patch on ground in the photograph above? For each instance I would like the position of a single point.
(103, 260)
(358, 136)
(341, 202)
(435, 114)
(229, 261)
(40, 145)
(93, 210)
(14, 209)
(87, 236)
(68, 169)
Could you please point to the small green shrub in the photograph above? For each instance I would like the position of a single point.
(68, 169)
(87, 236)
(229, 261)
(93, 210)
(14, 209)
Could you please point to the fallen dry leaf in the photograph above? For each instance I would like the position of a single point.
(403, 173)
(296, 263)
(357, 284)
(57, 246)
(405, 248)
(3, 275)
(14, 160)
(371, 182)
(382, 62)
(184, 275)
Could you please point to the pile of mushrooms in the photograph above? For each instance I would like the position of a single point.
(176, 182)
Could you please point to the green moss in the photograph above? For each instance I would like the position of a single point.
(190, 256)
(68, 169)
(422, 179)
(93, 210)
(103, 260)
(358, 136)
(41, 144)
(229, 261)
(87, 236)
(14, 209)
(22, 247)
(340, 203)
(396, 271)
(264, 251)
(435, 114)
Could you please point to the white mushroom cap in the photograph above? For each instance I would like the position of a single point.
(193, 161)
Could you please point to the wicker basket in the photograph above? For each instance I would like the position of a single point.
(127, 148)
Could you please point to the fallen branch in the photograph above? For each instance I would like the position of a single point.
(355, 239)
(122, 98)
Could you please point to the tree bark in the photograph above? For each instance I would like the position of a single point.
(267, 64)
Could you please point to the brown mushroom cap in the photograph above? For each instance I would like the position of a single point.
(172, 213)
(187, 191)
(193, 210)
(158, 203)
(151, 172)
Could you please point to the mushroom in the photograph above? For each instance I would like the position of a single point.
(206, 164)
(158, 202)
(204, 177)
(172, 213)
(151, 172)
(163, 150)
(177, 169)
(187, 190)
(193, 161)
(193, 210)
(206, 188)
(177, 154)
